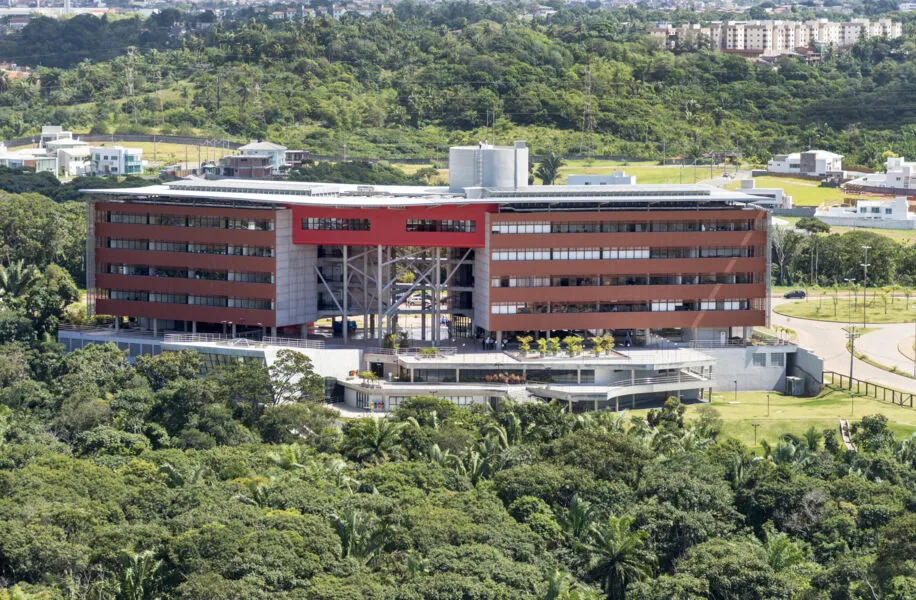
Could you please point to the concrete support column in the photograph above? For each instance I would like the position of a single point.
(378, 291)
(457, 375)
(273, 331)
(411, 375)
(578, 375)
(366, 332)
(233, 330)
(499, 340)
(596, 404)
(117, 321)
(193, 326)
(155, 326)
(346, 292)
(437, 299)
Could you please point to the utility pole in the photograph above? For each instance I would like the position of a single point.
(865, 266)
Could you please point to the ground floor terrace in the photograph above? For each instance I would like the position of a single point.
(366, 377)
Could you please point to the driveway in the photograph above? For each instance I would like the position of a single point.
(828, 340)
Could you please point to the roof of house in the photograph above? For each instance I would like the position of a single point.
(262, 146)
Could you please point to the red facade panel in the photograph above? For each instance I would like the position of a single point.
(630, 216)
(196, 287)
(388, 227)
(203, 235)
(628, 293)
(646, 320)
(186, 312)
(182, 209)
(706, 239)
(627, 266)
(219, 262)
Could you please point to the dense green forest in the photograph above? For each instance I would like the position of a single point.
(430, 76)
(146, 481)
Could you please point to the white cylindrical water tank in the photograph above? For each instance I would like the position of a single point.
(488, 166)
(463, 167)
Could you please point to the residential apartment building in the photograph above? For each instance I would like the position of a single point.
(770, 38)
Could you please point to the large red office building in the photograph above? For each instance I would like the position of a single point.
(501, 256)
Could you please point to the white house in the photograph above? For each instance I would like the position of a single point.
(116, 160)
(74, 157)
(617, 178)
(899, 174)
(276, 152)
(812, 162)
(879, 214)
(35, 158)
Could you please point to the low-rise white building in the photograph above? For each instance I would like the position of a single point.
(276, 152)
(812, 162)
(616, 178)
(769, 197)
(899, 175)
(116, 160)
(34, 158)
(879, 214)
(74, 157)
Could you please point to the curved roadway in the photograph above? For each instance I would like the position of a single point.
(828, 340)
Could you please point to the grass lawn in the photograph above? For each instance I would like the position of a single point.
(906, 236)
(644, 172)
(789, 414)
(823, 310)
(803, 192)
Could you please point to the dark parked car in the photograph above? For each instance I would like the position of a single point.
(795, 294)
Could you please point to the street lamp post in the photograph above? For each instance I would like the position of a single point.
(736, 390)
(768, 405)
(755, 426)
(851, 333)
(865, 266)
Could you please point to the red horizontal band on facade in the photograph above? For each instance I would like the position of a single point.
(644, 320)
(706, 239)
(630, 216)
(560, 268)
(216, 262)
(181, 209)
(388, 227)
(204, 235)
(196, 287)
(720, 291)
(186, 312)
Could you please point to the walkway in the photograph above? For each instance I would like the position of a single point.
(828, 340)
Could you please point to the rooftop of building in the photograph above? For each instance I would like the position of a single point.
(355, 195)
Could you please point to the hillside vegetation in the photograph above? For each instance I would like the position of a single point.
(430, 76)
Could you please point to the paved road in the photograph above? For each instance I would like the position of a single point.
(828, 340)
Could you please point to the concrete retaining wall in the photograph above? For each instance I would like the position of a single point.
(801, 211)
(810, 367)
(869, 223)
(738, 364)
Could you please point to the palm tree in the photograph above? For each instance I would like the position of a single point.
(361, 534)
(578, 518)
(619, 556)
(781, 552)
(813, 438)
(378, 438)
(549, 168)
(138, 575)
(16, 278)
